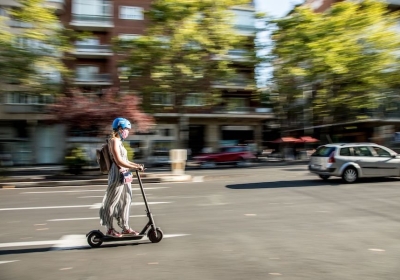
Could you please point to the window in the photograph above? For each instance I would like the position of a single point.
(128, 37)
(88, 42)
(86, 72)
(194, 99)
(381, 152)
(27, 98)
(133, 13)
(92, 8)
(3, 12)
(324, 151)
(345, 152)
(362, 152)
(162, 98)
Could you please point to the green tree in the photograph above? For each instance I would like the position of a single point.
(176, 55)
(34, 54)
(337, 63)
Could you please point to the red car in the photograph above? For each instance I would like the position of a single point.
(239, 155)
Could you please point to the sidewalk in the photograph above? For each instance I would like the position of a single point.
(52, 176)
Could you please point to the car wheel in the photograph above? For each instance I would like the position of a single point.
(324, 177)
(208, 164)
(242, 162)
(350, 175)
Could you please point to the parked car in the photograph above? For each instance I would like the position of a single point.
(354, 160)
(239, 155)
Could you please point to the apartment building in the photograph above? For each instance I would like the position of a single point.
(30, 139)
(239, 119)
(26, 137)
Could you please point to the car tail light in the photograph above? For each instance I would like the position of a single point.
(332, 158)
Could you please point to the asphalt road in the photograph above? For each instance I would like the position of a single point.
(240, 223)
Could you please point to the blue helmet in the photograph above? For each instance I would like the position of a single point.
(121, 122)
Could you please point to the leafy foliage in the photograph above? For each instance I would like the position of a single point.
(346, 57)
(97, 112)
(37, 49)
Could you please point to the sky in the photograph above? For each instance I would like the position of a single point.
(276, 8)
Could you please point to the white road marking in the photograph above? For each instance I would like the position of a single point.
(81, 191)
(2, 262)
(72, 241)
(377, 250)
(198, 179)
(98, 205)
(46, 207)
(89, 218)
(101, 196)
(28, 243)
(90, 206)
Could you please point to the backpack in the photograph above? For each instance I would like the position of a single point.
(104, 158)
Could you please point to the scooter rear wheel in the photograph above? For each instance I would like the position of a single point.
(94, 240)
(155, 236)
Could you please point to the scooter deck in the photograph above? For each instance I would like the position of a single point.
(107, 238)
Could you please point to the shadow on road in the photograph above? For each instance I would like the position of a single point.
(307, 183)
(283, 184)
(52, 249)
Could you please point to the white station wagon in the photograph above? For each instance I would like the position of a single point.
(354, 160)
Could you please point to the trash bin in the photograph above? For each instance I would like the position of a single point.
(178, 160)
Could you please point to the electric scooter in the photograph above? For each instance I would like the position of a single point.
(95, 237)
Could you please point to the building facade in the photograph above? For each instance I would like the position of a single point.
(28, 138)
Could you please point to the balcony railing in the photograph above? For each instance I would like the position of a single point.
(24, 108)
(19, 24)
(234, 83)
(93, 79)
(93, 49)
(92, 18)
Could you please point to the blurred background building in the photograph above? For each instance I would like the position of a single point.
(25, 132)
(381, 125)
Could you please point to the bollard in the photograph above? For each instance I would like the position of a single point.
(178, 161)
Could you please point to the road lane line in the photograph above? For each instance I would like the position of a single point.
(89, 218)
(28, 243)
(81, 191)
(2, 262)
(90, 206)
(70, 242)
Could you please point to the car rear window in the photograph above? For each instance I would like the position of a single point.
(324, 151)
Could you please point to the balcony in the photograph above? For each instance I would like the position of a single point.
(92, 51)
(236, 83)
(24, 108)
(57, 5)
(92, 15)
(215, 112)
(93, 79)
(235, 55)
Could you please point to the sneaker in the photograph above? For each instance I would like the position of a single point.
(130, 231)
(112, 232)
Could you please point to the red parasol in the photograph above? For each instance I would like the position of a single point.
(308, 139)
(287, 140)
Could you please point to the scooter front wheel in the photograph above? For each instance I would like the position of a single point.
(155, 236)
(94, 240)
